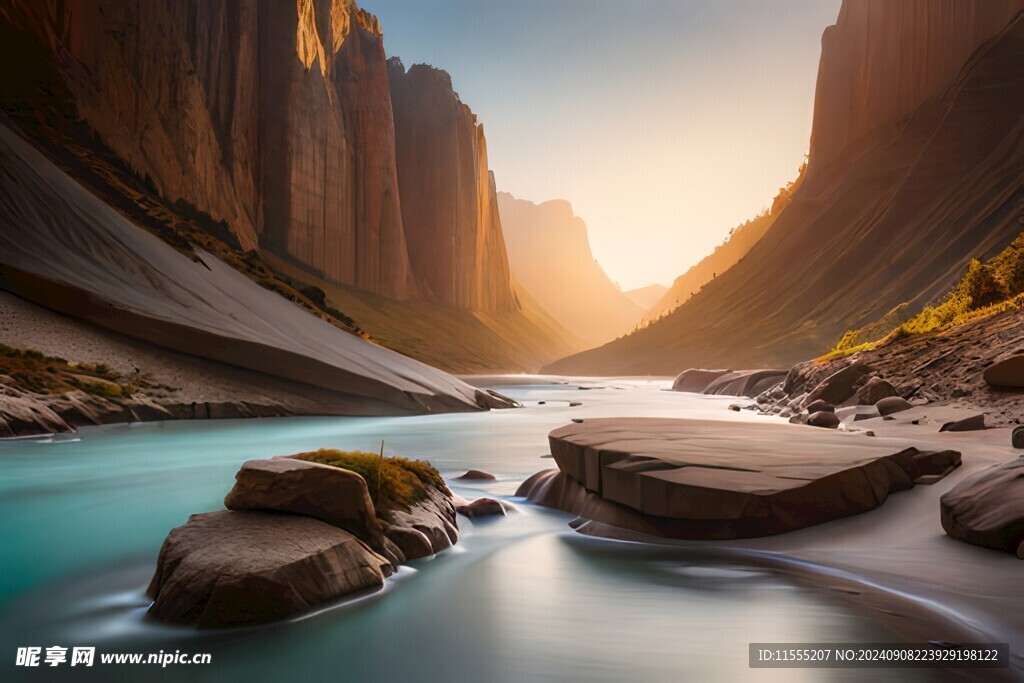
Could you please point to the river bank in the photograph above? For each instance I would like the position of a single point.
(520, 597)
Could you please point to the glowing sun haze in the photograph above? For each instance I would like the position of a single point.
(664, 122)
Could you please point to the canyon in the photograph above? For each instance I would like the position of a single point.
(282, 131)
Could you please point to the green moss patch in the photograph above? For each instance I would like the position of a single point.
(395, 483)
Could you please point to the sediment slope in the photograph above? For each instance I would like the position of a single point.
(550, 257)
(63, 248)
(893, 220)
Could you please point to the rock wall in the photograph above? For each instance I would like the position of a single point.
(276, 117)
(448, 197)
(330, 186)
(883, 59)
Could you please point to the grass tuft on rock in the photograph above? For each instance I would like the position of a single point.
(394, 483)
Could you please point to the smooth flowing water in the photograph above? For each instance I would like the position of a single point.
(523, 598)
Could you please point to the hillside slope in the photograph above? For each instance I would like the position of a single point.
(645, 297)
(893, 219)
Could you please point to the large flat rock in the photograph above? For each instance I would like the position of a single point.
(712, 479)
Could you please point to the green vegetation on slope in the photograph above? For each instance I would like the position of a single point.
(986, 289)
(394, 482)
(35, 372)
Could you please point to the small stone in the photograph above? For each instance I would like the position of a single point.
(823, 418)
(1017, 438)
(968, 424)
(892, 404)
(481, 507)
(476, 475)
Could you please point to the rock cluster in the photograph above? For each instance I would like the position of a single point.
(295, 534)
(808, 391)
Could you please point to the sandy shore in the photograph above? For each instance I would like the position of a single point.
(896, 563)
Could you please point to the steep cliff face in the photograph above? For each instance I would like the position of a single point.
(883, 59)
(550, 256)
(893, 219)
(329, 181)
(274, 117)
(168, 86)
(448, 198)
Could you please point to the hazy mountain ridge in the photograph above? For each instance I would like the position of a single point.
(550, 256)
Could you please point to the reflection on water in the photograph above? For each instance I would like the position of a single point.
(521, 598)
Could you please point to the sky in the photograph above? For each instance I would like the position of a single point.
(664, 122)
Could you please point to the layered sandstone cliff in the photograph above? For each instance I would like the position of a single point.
(550, 256)
(449, 206)
(892, 218)
(273, 117)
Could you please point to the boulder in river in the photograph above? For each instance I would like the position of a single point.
(987, 508)
(476, 475)
(481, 507)
(1017, 438)
(840, 385)
(230, 568)
(706, 479)
(433, 518)
(748, 383)
(696, 380)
